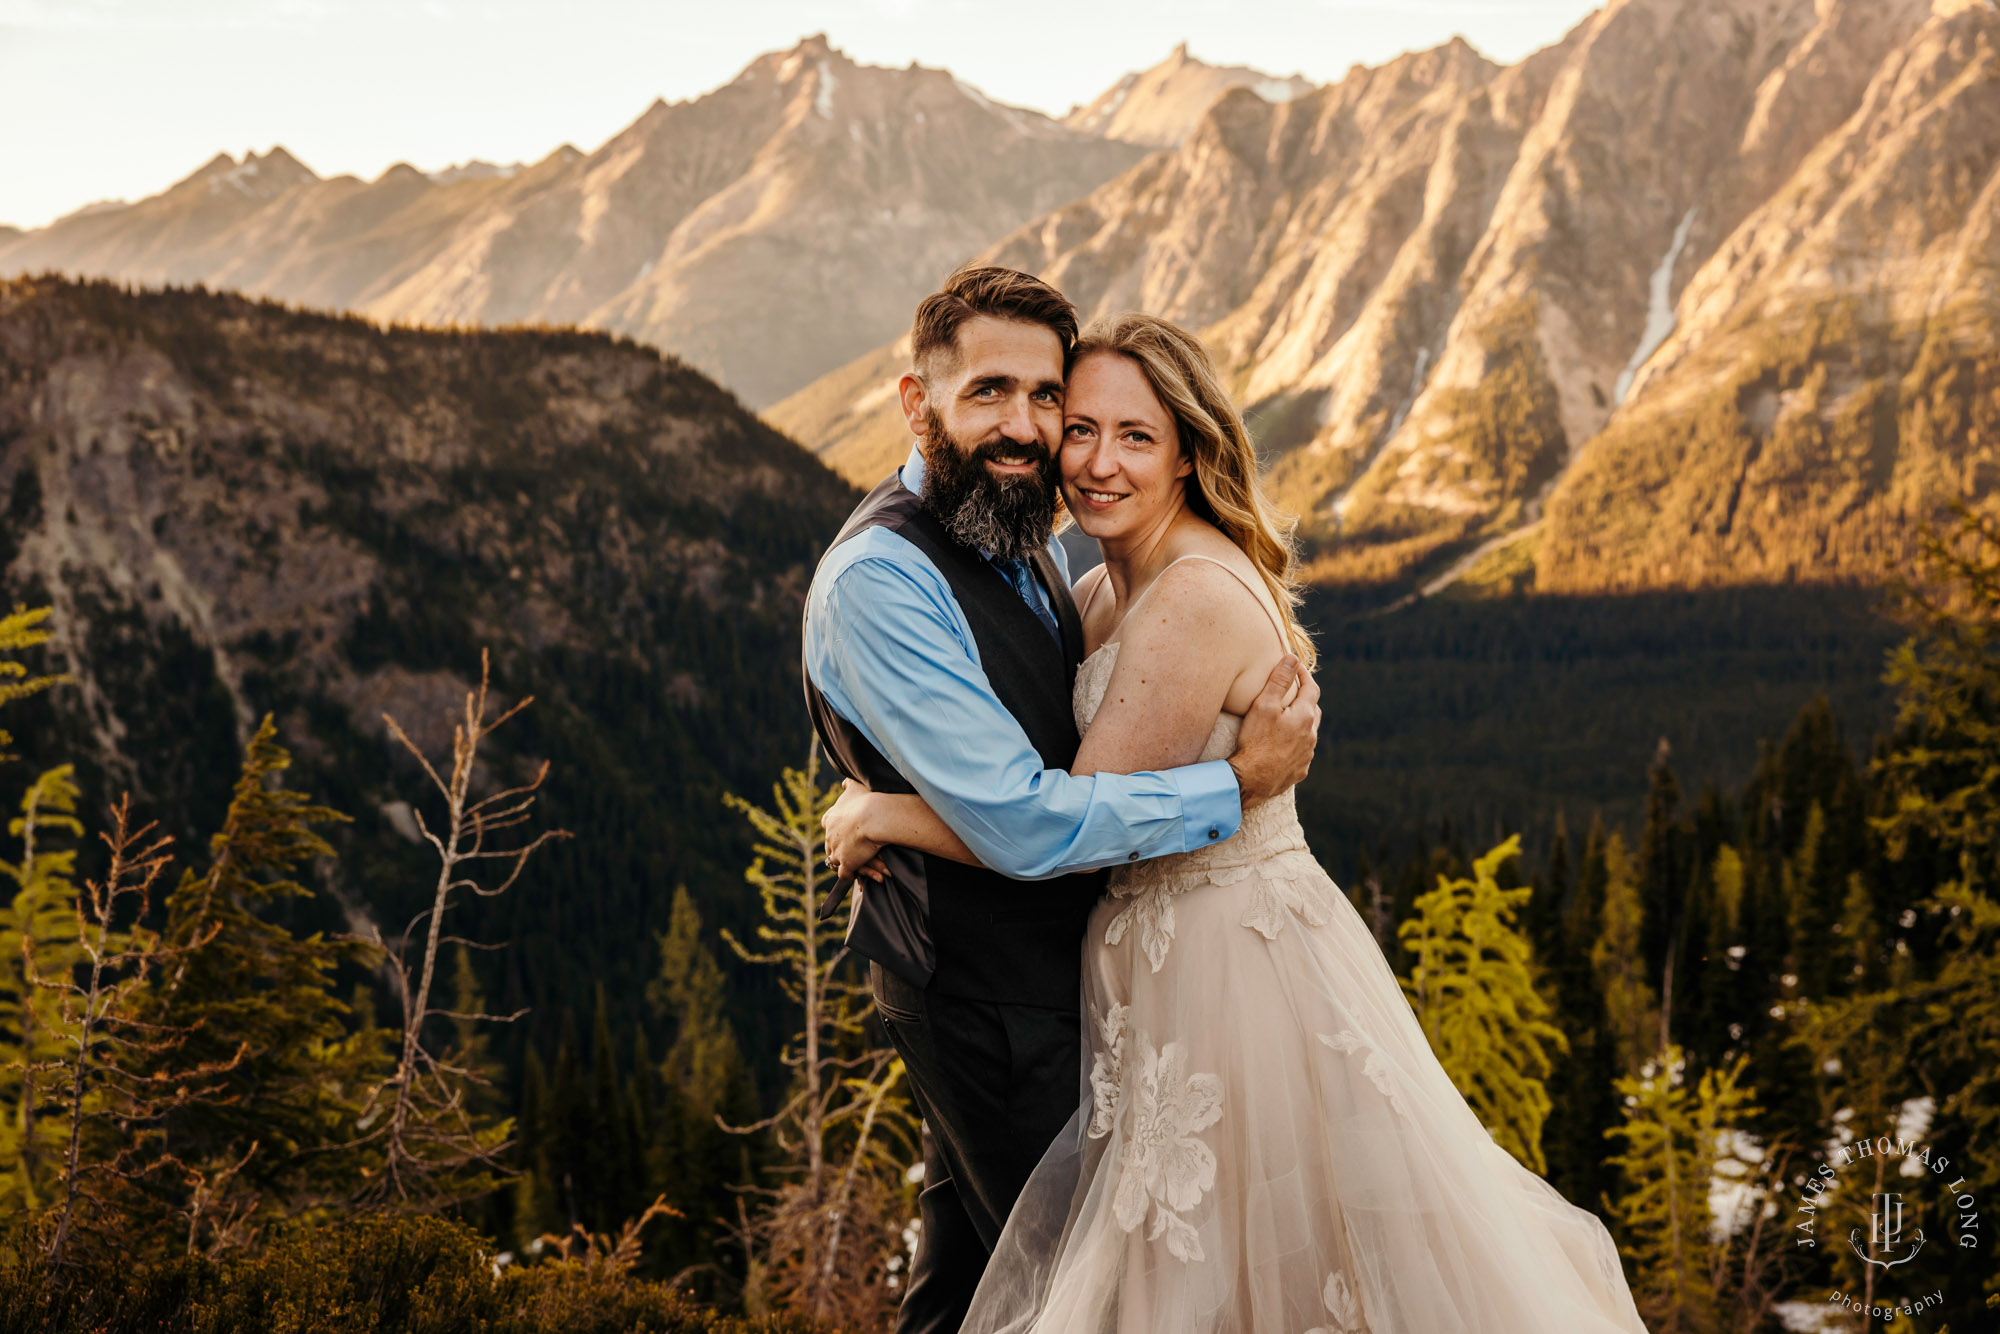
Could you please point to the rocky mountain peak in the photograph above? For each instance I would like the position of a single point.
(1161, 106)
(1470, 309)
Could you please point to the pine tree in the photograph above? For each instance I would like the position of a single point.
(1724, 996)
(1662, 874)
(121, 1073)
(1632, 1010)
(1939, 810)
(1677, 1141)
(1472, 984)
(22, 629)
(688, 991)
(40, 917)
(288, 1107)
(703, 1083)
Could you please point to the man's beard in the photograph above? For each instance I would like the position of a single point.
(1009, 518)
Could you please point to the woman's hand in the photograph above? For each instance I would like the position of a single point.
(849, 849)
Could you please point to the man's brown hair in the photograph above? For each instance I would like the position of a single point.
(1006, 294)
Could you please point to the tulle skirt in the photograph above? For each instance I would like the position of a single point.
(1265, 1142)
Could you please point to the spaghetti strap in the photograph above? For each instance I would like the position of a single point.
(1284, 639)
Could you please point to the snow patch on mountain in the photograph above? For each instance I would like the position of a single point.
(823, 101)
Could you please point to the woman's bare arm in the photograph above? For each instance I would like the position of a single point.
(1197, 639)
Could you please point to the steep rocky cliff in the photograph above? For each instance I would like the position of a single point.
(1452, 295)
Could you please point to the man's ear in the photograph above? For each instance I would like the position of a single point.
(916, 403)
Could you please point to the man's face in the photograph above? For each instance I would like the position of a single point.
(1004, 386)
(990, 420)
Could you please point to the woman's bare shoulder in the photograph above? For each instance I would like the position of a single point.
(1207, 598)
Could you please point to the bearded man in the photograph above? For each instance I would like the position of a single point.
(941, 646)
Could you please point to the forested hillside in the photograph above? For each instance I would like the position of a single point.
(237, 508)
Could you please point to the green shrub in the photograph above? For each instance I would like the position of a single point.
(374, 1276)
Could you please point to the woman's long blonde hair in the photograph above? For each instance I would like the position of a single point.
(1224, 488)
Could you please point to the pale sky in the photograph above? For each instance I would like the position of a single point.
(108, 99)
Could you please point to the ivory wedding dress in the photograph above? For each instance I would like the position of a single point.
(1265, 1140)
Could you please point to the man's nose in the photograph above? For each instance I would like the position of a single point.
(1020, 420)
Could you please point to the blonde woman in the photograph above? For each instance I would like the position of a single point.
(1264, 1140)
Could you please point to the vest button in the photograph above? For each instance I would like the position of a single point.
(1133, 858)
(1215, 833)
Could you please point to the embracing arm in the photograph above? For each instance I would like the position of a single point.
(862, 823)
(1185, 683)
(889, 650)
(1200, 644)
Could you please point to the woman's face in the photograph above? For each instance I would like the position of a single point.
(1121, 461)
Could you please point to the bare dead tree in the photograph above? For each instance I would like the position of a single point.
(119, 1078)
(434, 1150)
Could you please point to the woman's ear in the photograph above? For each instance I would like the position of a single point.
(1185, 466)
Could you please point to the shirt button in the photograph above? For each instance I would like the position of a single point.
(1215, 833)
(1133, 858)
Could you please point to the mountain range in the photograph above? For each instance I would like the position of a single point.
(1703, 294)
(766, 232)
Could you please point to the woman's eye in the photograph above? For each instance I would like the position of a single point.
(1138, 438)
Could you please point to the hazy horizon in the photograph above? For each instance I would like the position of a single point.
(125, 101)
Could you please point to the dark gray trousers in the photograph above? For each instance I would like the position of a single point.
(994, 1083)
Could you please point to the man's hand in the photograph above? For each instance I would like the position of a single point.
(1275, 747)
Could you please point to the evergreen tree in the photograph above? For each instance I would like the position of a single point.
(1472, 984)
(288, 1106)
(1662, 874)
(22, 629)
(1724, 996)
(1676, 1141)
(1941, 776)
(538, 1205)
(1631, 1008)
(702, 1083)
(689, 992)
(39, 919)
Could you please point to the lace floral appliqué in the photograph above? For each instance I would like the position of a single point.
(1151, 913)
(1164, 1166)
(1342, 1305)
(1292, 883)
(1348, 1042)
(1106, 1071)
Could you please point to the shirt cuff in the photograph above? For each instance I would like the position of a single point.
(1211, 803)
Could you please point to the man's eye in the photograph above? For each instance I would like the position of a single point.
(1046, 395)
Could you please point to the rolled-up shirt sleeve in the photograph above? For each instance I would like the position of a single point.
(892, 654)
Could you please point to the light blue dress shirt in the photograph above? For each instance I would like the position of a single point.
(889, 648)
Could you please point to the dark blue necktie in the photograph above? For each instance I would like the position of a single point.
(1023, 579)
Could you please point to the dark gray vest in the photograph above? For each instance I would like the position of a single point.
(964, 930)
